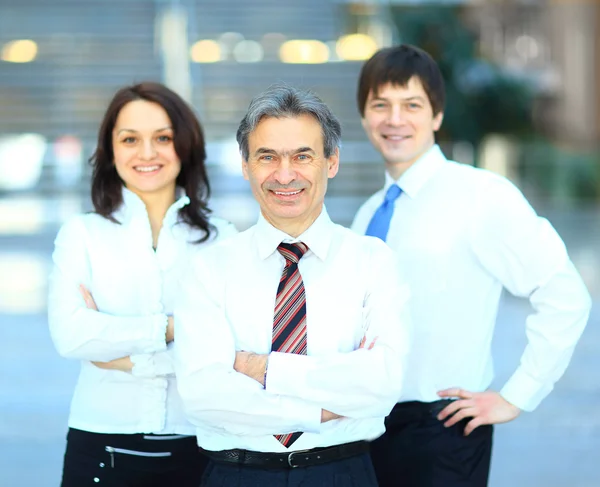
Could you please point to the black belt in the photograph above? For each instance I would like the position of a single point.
(300, 458)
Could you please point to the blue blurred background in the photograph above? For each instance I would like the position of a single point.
(523, 100)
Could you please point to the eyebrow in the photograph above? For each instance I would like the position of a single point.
(410, 98)
(266, 150)
(168, 127)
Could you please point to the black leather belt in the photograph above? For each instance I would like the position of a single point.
(300, 458)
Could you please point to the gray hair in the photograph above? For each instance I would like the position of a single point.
(281, 101)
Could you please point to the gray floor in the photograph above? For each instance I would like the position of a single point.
(553, 447)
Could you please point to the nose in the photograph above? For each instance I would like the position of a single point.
(395, 115)
(147, 150)
(285, 173)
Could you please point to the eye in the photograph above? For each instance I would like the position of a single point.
(378, 105)
(128, 140)
(164, 138)
(303, 158)
(266, 158)
(414, 106)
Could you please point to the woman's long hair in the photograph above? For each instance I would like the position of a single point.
(189, 145)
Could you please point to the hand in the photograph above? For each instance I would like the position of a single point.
(487, 407)
(251, 364)
(123, 364)
(87, 297)
(170, 335)
(363, 342)
(328, 416)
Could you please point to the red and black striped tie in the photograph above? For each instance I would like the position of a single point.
(289, 324)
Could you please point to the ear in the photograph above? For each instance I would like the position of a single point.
(437, 121)
(244, 167)
(333, 163)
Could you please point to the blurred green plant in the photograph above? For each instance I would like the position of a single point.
(561, 175)
(481, 98)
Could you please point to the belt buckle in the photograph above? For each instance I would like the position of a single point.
(290, 456)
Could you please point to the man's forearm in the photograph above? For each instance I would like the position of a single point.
(251, 364)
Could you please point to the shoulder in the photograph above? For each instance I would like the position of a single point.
(80, 225)
(224, 248)
(222, 228)
(477, 177)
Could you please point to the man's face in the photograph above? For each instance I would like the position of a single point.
(400, 123)
(288, 170)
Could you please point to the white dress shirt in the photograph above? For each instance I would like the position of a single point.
(461, 235)
(227, 304)
(134, 288)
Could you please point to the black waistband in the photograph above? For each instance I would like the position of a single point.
(301, 458)
(407, 412)
(97, 442)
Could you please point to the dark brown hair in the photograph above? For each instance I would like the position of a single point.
(397, 65)
(189, 145)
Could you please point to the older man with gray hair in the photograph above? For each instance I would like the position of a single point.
(291, 336)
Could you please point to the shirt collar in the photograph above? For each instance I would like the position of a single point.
(134, 206)
(419, 173)
(317, 237)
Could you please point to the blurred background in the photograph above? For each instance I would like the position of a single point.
(523, 100)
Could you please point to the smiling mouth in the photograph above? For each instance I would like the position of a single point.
(287, 195)
(146, 168)
(396, 138)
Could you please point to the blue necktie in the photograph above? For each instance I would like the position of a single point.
(380, 223)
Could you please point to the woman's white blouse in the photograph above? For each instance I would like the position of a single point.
(134, 288)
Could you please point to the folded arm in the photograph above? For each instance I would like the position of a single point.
(87, 334)
(212, 391)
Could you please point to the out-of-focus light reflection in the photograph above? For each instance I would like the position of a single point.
(21, 217)
(20, 51)
(21, 158)
(248, 52)
(23, 286)
(205, 51)
(355, 47)
(527, 47)
(300, 51)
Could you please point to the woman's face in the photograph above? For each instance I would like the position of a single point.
(144, 150)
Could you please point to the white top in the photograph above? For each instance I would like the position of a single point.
(134, 289)
(461, 235)
(228, 303)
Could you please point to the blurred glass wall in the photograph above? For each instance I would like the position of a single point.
(523, 100)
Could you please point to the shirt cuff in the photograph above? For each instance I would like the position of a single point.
(152, 365)
(143, 365)
(287, 374)
(524, 391)
(158, 340)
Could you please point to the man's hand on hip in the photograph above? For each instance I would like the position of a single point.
(486, 407)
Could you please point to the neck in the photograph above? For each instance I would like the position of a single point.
(157, 205)
(397, 169)
(292, 226)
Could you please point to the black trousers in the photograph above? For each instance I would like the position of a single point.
(350, 472)
(93, 459)
(417, 450)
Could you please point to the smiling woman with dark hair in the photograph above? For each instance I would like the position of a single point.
(115, 278)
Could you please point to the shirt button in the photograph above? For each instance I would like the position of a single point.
(96, 479)
(101, 465)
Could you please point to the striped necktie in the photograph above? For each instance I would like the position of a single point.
(289, 323)
(380, 223)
